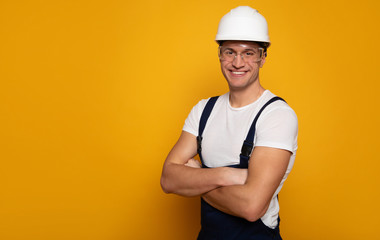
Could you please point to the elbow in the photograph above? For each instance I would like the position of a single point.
(251, 216)
(253, 212)
(165, 185)
(165, 182)
(168, 185)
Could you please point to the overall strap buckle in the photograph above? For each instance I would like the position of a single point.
(199, 144)
(246, 149)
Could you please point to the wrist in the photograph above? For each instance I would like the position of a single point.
(224, 178)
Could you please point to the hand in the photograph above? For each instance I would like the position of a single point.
(193, 163)
(236, 176)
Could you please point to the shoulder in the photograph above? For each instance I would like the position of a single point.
(192, 121)
(277, 112)
(198, 108)
(277, 127)
(277, 108)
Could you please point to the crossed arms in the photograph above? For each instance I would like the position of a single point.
(239, 192)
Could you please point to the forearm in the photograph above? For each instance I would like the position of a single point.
(237, 200)
(188, 181)
(251, 199)
(184, 176)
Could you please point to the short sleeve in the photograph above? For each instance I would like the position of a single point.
(278, 129)
(192, 121)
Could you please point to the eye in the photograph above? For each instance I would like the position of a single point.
(249, 53)
(228, 53)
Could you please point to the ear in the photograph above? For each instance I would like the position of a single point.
(263, 61)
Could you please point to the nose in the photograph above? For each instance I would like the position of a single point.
(238, 61)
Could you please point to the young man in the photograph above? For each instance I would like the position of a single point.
(246, 139)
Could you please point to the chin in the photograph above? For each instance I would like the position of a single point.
(237, 86)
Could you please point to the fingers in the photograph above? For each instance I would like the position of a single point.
(193, 163)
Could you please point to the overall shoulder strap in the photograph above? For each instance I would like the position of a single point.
(206, 114)
(247, 147)
(202, 123)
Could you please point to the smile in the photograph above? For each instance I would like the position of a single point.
(238, 73)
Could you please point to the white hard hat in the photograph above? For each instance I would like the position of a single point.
(243, 23)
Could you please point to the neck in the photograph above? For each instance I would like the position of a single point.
(241, 98)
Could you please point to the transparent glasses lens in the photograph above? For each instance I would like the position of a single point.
(248, 55)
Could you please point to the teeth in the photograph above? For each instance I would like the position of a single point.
(239, 73)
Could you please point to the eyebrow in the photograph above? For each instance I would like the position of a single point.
(247, 49)
(229, 48)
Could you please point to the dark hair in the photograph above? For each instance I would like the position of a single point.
(264, 45)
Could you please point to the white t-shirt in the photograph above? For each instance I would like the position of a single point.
(227, 128)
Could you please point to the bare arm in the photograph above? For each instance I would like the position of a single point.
(187, 180)
(251, 200)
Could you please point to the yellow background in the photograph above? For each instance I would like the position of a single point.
(93, 95)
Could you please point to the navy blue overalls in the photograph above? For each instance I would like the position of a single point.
(217, 225)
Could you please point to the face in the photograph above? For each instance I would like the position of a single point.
(239, 73)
